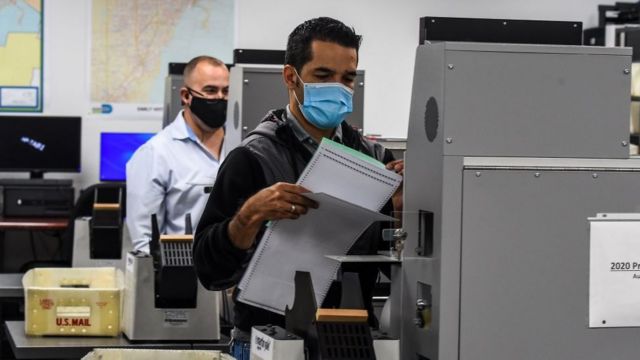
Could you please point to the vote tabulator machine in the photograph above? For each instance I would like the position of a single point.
(163, 298)
(512, 147)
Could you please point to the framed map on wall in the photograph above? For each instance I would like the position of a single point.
(133, 42)
(21, 55)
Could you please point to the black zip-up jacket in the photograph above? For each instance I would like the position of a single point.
(270, 154)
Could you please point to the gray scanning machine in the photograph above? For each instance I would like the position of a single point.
(163, 298)
(102, 239)
(511, 149)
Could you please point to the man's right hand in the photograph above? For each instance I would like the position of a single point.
(278, 201)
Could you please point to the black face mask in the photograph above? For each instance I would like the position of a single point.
(212, 112)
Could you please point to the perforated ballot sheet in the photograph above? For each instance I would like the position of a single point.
(614, 270)
(350, 189)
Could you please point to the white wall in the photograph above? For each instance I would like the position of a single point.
(390, 36)
(389, 29)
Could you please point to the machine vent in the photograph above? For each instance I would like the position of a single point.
(431, 119)
(236, 115)
(177, 253)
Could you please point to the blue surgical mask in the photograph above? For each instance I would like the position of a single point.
(325, 104)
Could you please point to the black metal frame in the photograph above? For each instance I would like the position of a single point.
(500, 31)
(256, 56)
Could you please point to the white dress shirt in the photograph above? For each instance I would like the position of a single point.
(167, 176)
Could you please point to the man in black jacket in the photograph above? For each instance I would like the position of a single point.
(256, 183)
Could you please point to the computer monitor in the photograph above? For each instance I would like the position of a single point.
(115, 150)
(38, 144)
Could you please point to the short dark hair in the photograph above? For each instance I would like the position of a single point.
(323, 29)
(188, 69)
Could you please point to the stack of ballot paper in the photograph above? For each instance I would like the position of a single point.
(350, 188)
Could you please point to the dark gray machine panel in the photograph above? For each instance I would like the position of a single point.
(530, 100)
(525, 264)
(508, 275)
(256, 89)
(172, 102)
(263, 90)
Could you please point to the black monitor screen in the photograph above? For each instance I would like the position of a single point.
(115, 150)
(40, 143)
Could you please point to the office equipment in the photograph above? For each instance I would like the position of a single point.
(164, 300)
(35, 198)
(341, 339)
(100, 236)
(258, 56)
(254, 89)
(618, 26)
(273, 342)
(331, 229)
(629, 36)
(106, 227)
(115, 150)
(500, 31)
(172, 101)
(350, 188)
(38, 144)
(511, 148)
(323, 334)
(619, 13)
(610, 17)
(344, 333)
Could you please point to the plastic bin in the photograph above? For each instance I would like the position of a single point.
(144, 354)
(73, 301)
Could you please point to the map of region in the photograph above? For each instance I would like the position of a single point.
(21, 55)
(133, 41)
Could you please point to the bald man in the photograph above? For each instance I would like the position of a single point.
(167, 175)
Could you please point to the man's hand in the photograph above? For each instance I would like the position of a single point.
(278, 201)
(398, 167)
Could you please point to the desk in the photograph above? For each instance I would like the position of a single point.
(11, 284)
(53, 347)
(10, 291)
(28, 224)
(11, 223)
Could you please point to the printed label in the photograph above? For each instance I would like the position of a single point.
(72, 322)
(176, 318)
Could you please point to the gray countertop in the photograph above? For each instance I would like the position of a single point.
(11, 285)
